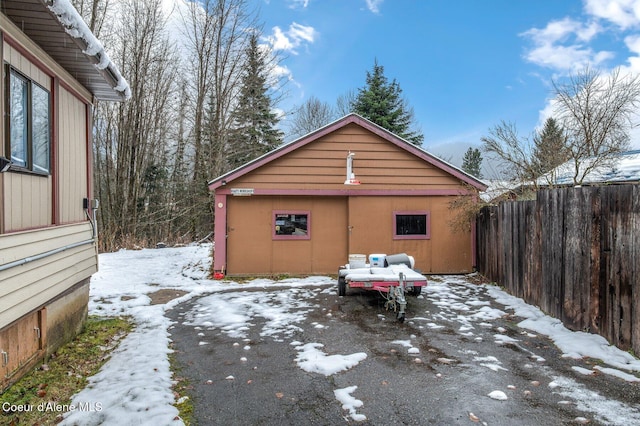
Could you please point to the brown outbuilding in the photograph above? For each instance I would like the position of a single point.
(350, 187)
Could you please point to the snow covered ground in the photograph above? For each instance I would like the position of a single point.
(134, 386)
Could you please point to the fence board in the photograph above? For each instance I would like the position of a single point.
(597, 283)
(576, 257)
(635, 270)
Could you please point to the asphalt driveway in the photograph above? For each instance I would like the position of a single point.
(452, 362)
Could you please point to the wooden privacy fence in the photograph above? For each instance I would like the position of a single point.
(573, 252)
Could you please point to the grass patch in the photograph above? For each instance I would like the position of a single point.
(64, 374)
(182, 391)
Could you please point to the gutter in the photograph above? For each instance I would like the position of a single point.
(43, 255)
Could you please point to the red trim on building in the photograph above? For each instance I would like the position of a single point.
(425, 236)
(53, 168)
(220, 234)
(354, 192)
(89, 146)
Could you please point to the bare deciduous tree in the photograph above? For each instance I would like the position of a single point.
(94, 12)
(310, 116)
(344, 103)
(597, 112)
(513, 151)
(217, 35)
(131, 138)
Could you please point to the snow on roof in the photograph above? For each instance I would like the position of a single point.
(624, 168)
(497, 188)
(75, 26)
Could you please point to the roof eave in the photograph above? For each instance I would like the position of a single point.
(57, 28)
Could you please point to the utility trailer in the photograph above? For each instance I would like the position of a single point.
(392, 280)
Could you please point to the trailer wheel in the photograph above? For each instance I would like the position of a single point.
(342, 286)
(401, 317)
(415, 291)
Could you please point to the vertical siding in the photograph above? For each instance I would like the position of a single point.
(28, 201)
(392, 179)
(27, 198)
(72, 157)
(22, 64)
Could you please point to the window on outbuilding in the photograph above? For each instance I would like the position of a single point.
(291, 225)
(28, 123)
(411, 225)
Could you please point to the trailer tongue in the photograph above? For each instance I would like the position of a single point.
(393, 280)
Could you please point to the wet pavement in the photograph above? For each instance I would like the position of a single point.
(437, 368)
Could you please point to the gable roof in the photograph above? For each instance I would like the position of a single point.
(59, 30)
(332, 127)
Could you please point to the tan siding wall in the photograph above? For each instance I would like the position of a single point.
(30, 196)
(371, 221)
(251, 249)
(22, 64)
(321, 164)
(28, 201)
(25, 288)
(72, 157)
(343, 225)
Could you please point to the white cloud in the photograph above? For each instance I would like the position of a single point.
(294, 37)
(295, 4)
(633, 61)
(281, 72)
(633, 43)
(301, 32)
(623, 13)
(279, 41)
(374, 5)
(561, 45)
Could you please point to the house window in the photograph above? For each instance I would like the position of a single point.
(411, 225)
(28, 124)
(291, 225)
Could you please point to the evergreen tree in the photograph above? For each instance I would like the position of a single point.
(472, 162)
(550, 147)
(254, 121)
(381, 102)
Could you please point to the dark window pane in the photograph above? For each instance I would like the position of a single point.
(411, 224)
(41, 133)
(291, 224)
(18, 116)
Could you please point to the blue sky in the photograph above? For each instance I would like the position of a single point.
(462, 65)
